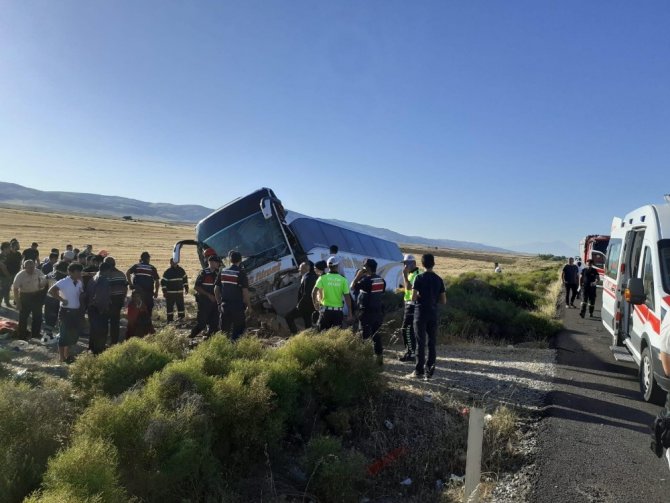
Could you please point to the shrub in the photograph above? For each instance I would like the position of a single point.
(34, 424)
(170, 340)
(334, 473)
(117, 369)
(86, 471)
(336, 365)
(176, 379)
(245, 419)
(215, 355)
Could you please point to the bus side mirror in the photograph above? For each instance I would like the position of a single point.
(266, 208)
(634, 292)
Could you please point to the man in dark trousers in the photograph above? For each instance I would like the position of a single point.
(232, 294)
(30, 287)
(570, 278)
(143, 277)
(208, 312)
(409, 273)
(588, 282)
(98, 303)
(13, 261)
(369, 289)
(427, 293)
(331, 291)
(305, 308)
(6, 279)
(174, 284)
(118, 289)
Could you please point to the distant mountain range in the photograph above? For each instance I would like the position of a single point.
(18, 196)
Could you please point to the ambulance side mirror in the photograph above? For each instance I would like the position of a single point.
(634, 292)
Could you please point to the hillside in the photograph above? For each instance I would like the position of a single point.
(17, 196)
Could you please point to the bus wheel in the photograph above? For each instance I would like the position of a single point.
(651, 392)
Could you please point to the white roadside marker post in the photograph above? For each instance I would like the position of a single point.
(473, 462)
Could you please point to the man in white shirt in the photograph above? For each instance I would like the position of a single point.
(68, 291)
(30, 285)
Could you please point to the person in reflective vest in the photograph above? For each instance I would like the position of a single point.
(370, 288)
(232, 294)
(208, 313)
(330, 293)
(409, 272)
(174, 284)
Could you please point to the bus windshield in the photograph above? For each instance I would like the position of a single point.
(258, 240)
(664, 253)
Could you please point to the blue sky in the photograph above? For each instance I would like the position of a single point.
(498, 122)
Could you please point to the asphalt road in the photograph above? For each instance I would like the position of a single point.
(594, 440)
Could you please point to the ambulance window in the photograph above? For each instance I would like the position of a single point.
(636, 253)
(664, 252)
(648, 278)
(613, 255)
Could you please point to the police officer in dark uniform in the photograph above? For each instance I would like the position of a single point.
(174, 284)
(232, 293)
(305, 308)
(208, 313)
(145, 280)
(588, 282)
(369, 289)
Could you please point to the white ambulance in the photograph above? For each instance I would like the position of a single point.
(636, 291)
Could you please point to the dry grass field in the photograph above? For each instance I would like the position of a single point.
(123, 240)
(126, 240)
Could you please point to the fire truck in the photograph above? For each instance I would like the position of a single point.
(594, 247)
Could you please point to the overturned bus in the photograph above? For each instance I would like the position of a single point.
(273, 242)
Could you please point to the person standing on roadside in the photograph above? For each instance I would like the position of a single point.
(305, 308)
(369, 289)
(48, 267)
(98, 303)
(31, 253)
(232, 294)
(588, 282)
(570, 278)
(6, 279)
(52, 304)
(13, 260)
(409, 273)
(496, 268)
(661, 426)
(69, 290)
(208, 312)
(144, 279)
(427, 293)
(174, 284)
(118, 289)
(331, 292)
(29, 288)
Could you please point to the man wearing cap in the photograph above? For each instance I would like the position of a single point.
(144, 278)
(29, 288)
(369, 289)
(409, 273)
(69, 256)
(305, 308)
(174, 284)
(118, 289)
(208, 312)
(328, 294)
(232, 293)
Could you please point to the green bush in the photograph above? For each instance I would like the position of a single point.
(215, 355)
(336, 365)
(170, 340)
(117, 369)
(86, 471)
(335, 474)
(176, 379)
(34, 424)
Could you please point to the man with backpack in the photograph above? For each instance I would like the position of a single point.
(98, 301)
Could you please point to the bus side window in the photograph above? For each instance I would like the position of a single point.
(648, 278)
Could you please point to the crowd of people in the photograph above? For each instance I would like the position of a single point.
(67, 288)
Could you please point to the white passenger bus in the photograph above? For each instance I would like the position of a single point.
(273, 242)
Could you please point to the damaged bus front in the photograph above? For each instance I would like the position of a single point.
(273, 242)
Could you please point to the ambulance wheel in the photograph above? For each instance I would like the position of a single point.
(650, 390)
